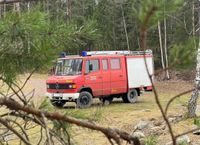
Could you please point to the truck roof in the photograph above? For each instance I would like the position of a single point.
(101, 56)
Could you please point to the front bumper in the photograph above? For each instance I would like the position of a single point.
(63, 96)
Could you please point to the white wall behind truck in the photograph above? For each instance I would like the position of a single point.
(137, 73)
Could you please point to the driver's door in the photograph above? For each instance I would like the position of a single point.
(93, 76)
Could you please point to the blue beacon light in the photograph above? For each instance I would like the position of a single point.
(84, 53)
(62, 54)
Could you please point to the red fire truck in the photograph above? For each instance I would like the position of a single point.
(102, 74)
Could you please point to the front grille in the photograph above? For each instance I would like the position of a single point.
(58, 86)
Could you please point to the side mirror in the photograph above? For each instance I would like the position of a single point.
(52, 71)
(88, 69)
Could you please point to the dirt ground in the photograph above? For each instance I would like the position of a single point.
(126, 116)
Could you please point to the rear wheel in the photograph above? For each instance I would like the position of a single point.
(58, 103)
(84, 100)
(131, 96)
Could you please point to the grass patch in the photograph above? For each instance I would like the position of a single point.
(150, 140)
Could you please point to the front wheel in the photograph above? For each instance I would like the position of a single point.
(84, 100)
(58, 103)
(131, 96)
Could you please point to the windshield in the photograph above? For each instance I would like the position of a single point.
(69, 67)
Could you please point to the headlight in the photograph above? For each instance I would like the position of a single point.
(72, 86)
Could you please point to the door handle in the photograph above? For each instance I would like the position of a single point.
(100, 77)
(120, 76)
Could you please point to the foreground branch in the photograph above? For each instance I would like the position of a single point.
(110, 133)
(144, 47)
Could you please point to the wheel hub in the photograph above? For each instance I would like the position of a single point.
(84, 100)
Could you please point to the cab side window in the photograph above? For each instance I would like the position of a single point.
(105, 64)
(92, 65)
(115, 63)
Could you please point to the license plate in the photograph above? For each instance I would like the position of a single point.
(57, 95)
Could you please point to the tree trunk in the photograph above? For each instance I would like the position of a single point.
(114, 36)
(192, 104)
(0, 10)
(96, 2)
(57, 11)
(113, 28)
(4, 10)
(16, 7)
(28, 6)
(165, 46)
(193, 23)
(69, 9)
(161, 46)
(125, 28)
(166, 55)
(47, 4)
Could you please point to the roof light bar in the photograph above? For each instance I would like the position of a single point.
(85, 53)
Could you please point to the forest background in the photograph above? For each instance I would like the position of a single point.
(74, 26)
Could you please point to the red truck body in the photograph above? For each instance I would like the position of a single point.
(104, 76)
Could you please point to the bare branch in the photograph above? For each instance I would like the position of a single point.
(39, 122)
(46, 128)
(24, 84)
(175, 97)
(24, 132)
(108, 132)
(144, 26)
(41, 135)
(14, 91)
(2, 121)
(187, 132)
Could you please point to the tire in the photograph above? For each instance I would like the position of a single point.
(106, 100)
(84, 100)
(58, 103)
(131, 96)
